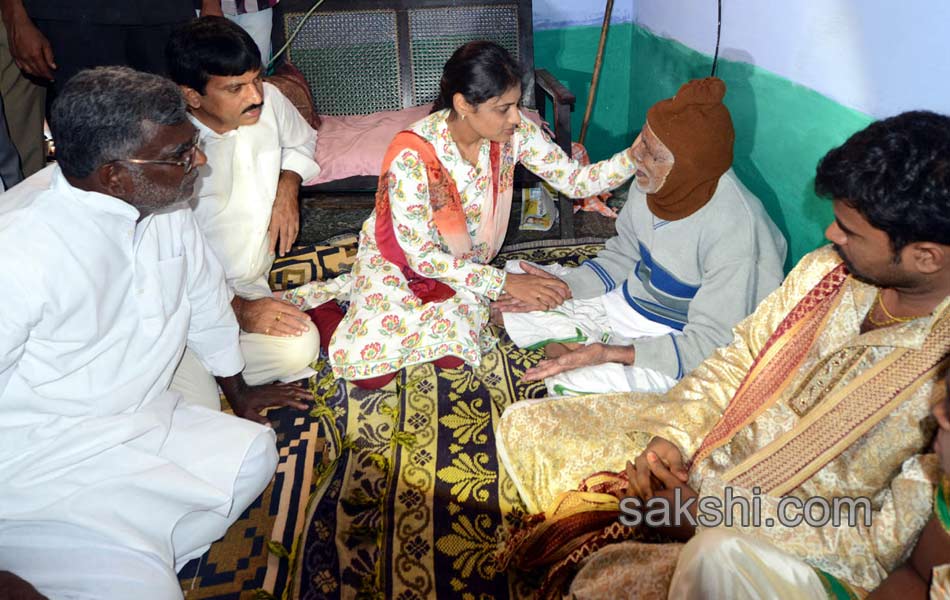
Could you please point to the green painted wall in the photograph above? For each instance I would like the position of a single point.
(569, 54)
(782, 130)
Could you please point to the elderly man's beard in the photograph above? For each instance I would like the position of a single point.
(651, 187)
(653, 184)
(154, 198)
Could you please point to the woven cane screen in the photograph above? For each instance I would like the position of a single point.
(331, 47)
(435, 33)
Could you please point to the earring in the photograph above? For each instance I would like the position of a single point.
(463, 116)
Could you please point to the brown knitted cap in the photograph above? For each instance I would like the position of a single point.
(695, 125)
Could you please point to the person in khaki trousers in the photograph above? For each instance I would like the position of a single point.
(45, 42)
(23, 109)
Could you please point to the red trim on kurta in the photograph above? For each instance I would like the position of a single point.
(446, 207)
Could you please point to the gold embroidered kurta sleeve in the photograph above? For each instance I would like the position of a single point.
(690, 409)
(860, 401)
(859, 554)
(550, 446)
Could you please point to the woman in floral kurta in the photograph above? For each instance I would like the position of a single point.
(386, 327)
(421, 286)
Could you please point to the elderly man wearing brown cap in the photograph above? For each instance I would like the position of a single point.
(694, 253)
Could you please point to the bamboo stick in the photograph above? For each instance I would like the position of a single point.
(597, 65)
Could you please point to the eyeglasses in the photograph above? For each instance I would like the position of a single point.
(188, 163)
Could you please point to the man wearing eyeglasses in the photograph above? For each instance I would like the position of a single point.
(259, 149)
(110, 481)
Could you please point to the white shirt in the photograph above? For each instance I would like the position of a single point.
(238, 185)
(95, 313)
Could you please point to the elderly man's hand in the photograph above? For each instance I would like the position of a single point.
(584, 356)
(30, 48)
(285, 216)
(531, 269)
(270, 317)
(508, 303)
(251, 400)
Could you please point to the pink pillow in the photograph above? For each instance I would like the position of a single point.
(355, 145)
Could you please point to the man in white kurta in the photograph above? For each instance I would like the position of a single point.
(109, 482)
(259, 149)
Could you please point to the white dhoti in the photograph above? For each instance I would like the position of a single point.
(271, 358)
(267, 358)
(126, 535)
(719, 563)
(606, 319)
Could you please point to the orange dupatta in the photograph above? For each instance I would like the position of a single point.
(447, 213)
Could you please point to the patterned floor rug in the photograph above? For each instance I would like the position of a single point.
(395, 493)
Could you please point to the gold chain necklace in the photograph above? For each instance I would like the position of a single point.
(891, 319)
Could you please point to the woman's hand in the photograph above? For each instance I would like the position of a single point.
(542, 291)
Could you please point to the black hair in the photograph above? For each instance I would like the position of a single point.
(896, 173)
(107, 114)
(478, 70)
(207, 47)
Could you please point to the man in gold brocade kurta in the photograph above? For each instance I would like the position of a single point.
(824, 392)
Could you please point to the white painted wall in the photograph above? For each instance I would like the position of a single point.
(556, 14)
(880, 57)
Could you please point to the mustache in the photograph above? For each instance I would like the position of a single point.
(843, 256)
(252, 107)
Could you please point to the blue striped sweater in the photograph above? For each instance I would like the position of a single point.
(699, 275)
